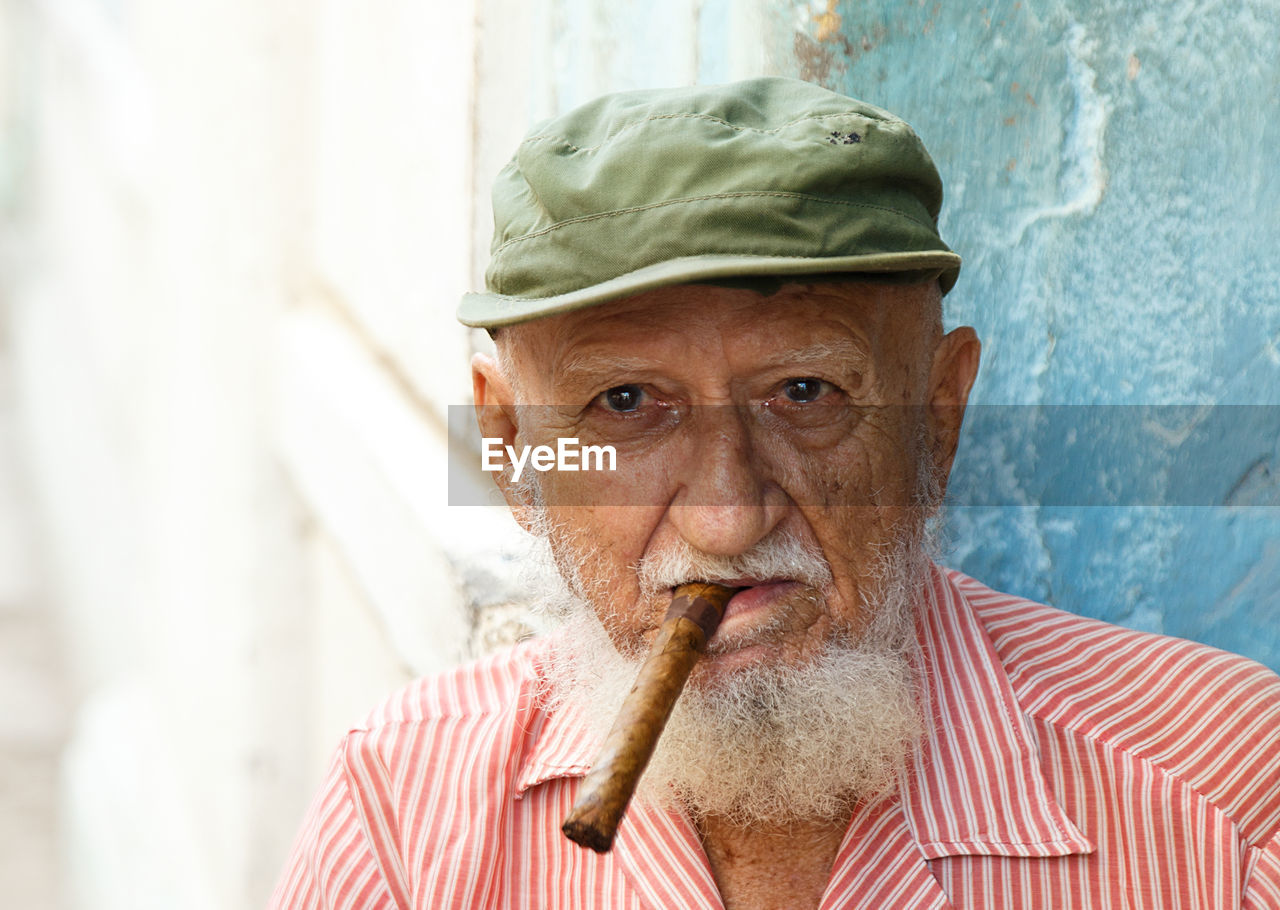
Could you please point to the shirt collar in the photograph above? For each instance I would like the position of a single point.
(973, 786)
(556, 744)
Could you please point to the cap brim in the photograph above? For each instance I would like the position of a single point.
(487, 310)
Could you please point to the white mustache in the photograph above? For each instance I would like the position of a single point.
(780, 556)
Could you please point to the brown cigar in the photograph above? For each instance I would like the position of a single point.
(696, 610)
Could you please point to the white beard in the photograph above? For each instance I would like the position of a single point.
(771, 742)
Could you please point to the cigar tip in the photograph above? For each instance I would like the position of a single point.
(585, 834)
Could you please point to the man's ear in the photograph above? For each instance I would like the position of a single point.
(955, 366)
(498, 417)
(495, 400)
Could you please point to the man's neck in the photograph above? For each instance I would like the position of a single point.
(758, 866)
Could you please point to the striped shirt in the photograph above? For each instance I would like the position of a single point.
(1069, 763)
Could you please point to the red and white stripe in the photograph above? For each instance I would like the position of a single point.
(1070, 763)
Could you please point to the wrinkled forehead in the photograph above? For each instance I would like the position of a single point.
(729, 319)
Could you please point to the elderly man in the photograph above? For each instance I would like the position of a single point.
(738, 290)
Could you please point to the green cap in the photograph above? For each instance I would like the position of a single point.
(645, 189)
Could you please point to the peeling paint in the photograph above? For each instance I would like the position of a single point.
(828, 23)
(817, 62)
(1082, 179)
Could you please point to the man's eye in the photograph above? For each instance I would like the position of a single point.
(805, 390)
(622, 398)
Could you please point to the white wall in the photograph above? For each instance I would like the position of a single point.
(244, 229)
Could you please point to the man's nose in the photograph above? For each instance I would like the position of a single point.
(728, 500)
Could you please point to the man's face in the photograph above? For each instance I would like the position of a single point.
(812, 417)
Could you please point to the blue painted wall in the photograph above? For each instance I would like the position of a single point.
(1113, 171)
